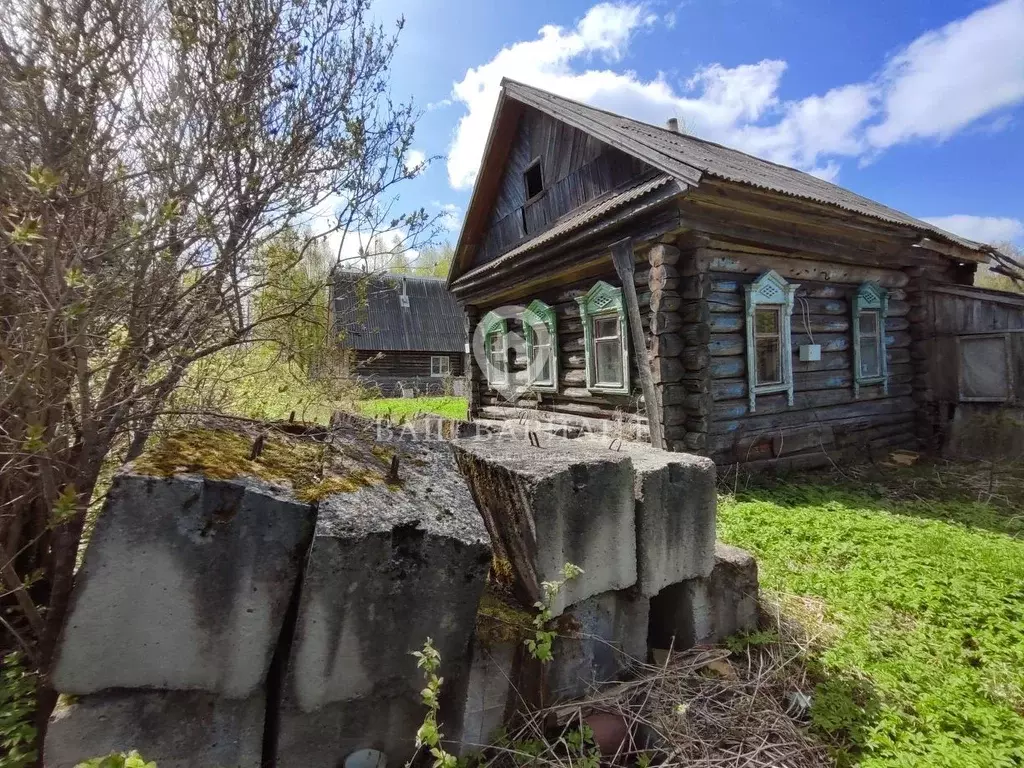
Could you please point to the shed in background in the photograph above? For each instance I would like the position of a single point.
(406, 333)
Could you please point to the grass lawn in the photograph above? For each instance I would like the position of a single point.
(404, 408)
(918, 575)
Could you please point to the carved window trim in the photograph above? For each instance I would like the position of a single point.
(601, 302)
(770, 290)
(870, 297)
(495, 326)
(539, 313)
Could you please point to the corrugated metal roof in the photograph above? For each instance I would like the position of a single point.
(368, 312)
(580, 217)
(665, 149)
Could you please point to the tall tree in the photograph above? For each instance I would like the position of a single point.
(434, 261)
(151, 150)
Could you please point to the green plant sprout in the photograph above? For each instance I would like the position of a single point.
(429, 734)
(540, 644)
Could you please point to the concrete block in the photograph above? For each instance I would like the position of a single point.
(388, 567)
(184, 586)
(544, 507)
(174, 729)
(490, 694)
(676, 505)
(597, 640)
(708, 610)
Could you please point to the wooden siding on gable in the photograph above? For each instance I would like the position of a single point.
(575, 168)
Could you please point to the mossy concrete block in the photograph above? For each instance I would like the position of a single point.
(389, 566)
(174, 729)
(598, 639)
(548, 506)
(708, 610)
(676, 505)
(185, 585)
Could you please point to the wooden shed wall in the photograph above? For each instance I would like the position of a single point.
(387, 370)
(576, 169)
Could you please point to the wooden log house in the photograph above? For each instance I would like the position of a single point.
(725, 304)
(405, 334)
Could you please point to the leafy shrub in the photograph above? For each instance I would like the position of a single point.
(17, 710)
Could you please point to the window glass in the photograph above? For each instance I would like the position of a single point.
(769, 361)
(608, 353)
(768, 345)
(870, 348)
(870, 360)
(868, 322)
(498, 359)
(540, 351)
(767, 321)
(606, 328)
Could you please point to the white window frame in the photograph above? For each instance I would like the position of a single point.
(540, 314)
(870, 297)
(495, 327)
(447, 366)
(770, 290)
(601, 302)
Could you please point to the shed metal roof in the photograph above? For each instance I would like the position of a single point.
(368, 313)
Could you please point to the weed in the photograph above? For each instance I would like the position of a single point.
(539, 645)
(17, 709)
(923, 663)
(429, 734)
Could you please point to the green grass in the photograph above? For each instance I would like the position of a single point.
(923, 584)
(398, 408)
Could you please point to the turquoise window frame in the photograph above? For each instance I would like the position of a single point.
(770, 290)
(872, 297)
(492, 324)
(600, 302)
(539, 313)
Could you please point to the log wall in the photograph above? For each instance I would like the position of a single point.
(573, 402)
(391, 371)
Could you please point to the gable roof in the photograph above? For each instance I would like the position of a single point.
(368, 312)
(684, 157)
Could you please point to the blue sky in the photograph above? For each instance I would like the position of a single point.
(916, 103)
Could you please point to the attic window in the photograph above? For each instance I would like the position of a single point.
(533, 180)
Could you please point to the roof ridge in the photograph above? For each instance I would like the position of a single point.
(726, 165)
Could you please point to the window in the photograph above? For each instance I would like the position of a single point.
(533, 180)
(604, 338)
(495, 332)
(870, 305)
(769, 337)
(440, 365)
(768, 345)
(984, 373)
(541, 346)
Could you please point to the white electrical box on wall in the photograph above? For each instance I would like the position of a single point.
(810, 353)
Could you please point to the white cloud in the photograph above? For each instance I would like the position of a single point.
(948, 78)
(415, 161)
(984, 229)
(739, 106)
(451, 217)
